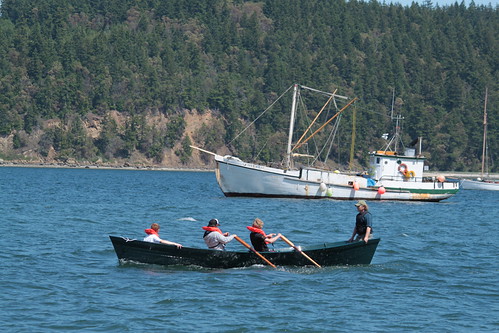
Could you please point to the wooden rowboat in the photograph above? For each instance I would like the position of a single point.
(325, 254)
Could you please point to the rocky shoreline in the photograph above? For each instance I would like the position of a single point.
(108, 166)
(129, 166)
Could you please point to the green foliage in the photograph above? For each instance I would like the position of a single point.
(65, 59)
(210, 137)
(185, 152)
(174, 130)
(18, 141)
(109, 142)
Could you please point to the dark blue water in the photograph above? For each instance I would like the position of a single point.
(435, 270)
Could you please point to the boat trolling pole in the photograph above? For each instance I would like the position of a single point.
(255, 251)
(315, 119)
(324, 125)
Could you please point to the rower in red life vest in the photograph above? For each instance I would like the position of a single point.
(153, 236)
(259, 239)
(213, 236)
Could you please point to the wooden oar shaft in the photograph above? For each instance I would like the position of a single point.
(297, 249)
(255, 251)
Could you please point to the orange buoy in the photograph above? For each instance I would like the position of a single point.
(441, 178)
(356, 186)
(381, 190)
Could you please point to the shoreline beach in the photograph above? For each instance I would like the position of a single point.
(127, 166)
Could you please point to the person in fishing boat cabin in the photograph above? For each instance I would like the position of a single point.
(258, 238)
(153, 236)
(213, 236)
(363, 228)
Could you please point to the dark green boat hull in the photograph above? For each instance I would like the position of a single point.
(325, 254)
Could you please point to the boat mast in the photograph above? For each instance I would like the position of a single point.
(396, 136)
(398, 118)
(484, 148)
(352, 145)
(291, 127)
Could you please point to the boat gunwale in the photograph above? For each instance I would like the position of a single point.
(326, 254)
(288, 249)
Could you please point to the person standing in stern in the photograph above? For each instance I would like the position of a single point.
(363, 223)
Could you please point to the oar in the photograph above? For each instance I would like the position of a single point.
(298, 249)
(252, 249)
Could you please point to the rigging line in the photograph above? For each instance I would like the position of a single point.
(331, 134)
(305, 119)
(327, 116)
(371, 111)
(388, 145)
(364, 110)
(258, 154)
(327, 122)
(323, 92)
(331, 138)
(261, 114)
(313, 121)
(335, 104)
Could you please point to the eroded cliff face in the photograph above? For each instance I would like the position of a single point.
(31, 152)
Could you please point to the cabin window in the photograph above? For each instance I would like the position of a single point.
(377, 160)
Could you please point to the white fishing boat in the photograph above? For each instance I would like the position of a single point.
(392, 176)
(482, 183)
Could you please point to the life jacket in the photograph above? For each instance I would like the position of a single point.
(257, 230)
(151, 232)
(208, 230)
(361, 223)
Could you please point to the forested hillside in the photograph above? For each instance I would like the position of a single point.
(119, 80)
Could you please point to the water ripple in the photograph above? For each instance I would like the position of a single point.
(435, 270)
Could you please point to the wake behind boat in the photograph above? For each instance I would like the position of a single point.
(325, 254)
(393, 175)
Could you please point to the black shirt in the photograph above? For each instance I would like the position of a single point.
(258, 242)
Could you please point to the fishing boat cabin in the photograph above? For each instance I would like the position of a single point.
(390, 166)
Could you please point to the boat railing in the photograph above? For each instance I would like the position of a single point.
(398, 178)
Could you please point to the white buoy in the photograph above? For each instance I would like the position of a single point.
(323, 187)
